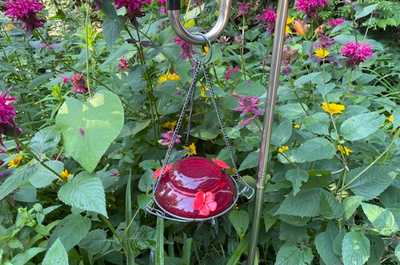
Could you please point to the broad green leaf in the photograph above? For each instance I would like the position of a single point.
(292, 111)
(112, 29)
(42, 177)
(250, 88)
(66, 230)
(391, 197)
(382, 219)
(89, 128)
(305, 204)
(282, 133)
(19, 178)
(25, 257)
(361, 126)
(365, 11)
(269, 219)
(331, 208)
(96, 242)
(355, 248)
(324, 243)
(350, 205)
(371, 183)
(378, 249)
(241, 248)
(312, 150)
(240, 221)
(45, 140)
(84, 192)
(291, 233)
(308, 78)
(290, 254)
(317, 123)
(297, 177)
(251, 161)
(56, 255)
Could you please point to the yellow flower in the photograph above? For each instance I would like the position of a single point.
(16, 161)
(289, 22)
(205, 49)
(203, 91)
(9, 27)
(169, 125)
(283, 149)
(190, 150)
(344, 150)
(65, 175)
(390, 118)
(297, 126)
(189, 23)
(321, 53)
(333, 108)
(168, 77)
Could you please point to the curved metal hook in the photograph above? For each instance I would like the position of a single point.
(174, 12)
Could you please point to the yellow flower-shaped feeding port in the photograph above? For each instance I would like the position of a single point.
(344, 150)
(321, 53)
(190, 150)
(168, 77)
(333, 108)
(16, 161)
(65, 175)
(283, 149)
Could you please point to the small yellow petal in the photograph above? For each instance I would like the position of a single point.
(16, 161)
(333, 108)
(297, 126)
(190, 150)
(344, 150)
(390, 118)
(169, 125)
(168, 77)
(65, 175)
(189, 23)
(321, 53)
(283, 149)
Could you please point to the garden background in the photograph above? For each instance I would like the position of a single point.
(91, 92)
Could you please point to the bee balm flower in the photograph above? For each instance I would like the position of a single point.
(26, 12)
(310, 7)
(356, 52)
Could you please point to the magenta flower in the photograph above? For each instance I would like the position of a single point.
(248, 108)
(26, 12)
(243, 8)
(66, 79)
(268, 18)
(166, 138)
(133, 7)
(186, 48)
(333, 22)
(310, 7)
(230, 71)
(79, 84)
(162, 4)
(123, 64)
(356, 52)
(7, 109)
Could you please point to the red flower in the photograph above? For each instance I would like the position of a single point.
(123, 64)
(222, 164)
(79, 84)
(205, 202)
(158, 172)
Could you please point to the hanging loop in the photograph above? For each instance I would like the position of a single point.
(174, 13)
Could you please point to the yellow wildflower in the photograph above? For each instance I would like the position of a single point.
(283, 149)
(9, 27)
(289, 22)
(65, 175)
(168, 77)
(205, 49)
(190, 150)
(16, 161)
(189, 23)
(390, 118)
(321, 53)
(169, 125)
(203, 91)
(344, 150)
(333, 108)
(297, 126)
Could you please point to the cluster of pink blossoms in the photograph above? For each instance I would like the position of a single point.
(186, 48)
(356, 52)
(243, 8)
(268, 18)
(123, 64)
(333, 22)
(26, 12)
(7, 115)
(310, 7)
(230, 71)
(167, 138)
(248, 108)
(133, 7)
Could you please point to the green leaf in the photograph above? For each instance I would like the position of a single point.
(19, 178)
(361, 126)
(317, 123)
(269, 219)
(187, 251)
(305, 204)
(297, 177)
(312, 150)
(324, 243)
(290, 254)
(241, 248)
(365, 11)
(56, 255)
(25, 257)
(45, 140)
(96, 242)
(251, 161)
(382, 219)
(89, 128)
(112, 29)
(250, 88)
(282, 133)
(330, 207)
(292, 111)
(240, 221)
(84, 192)
(308, 78)
(355, 248)
(371, 183)
(42, 177)
(397, 252)
(66, 230)
(350, 205)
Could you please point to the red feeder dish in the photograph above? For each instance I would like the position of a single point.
(196, 189)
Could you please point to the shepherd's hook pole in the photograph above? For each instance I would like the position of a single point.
(264, 158)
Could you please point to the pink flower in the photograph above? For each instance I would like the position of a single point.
(26, 12)
(244, 8)
(310, 7)
(268, 18)
(66, 79)
(166, 138)
(220, 163)
(356, 52)
(123, 64)
(7, 110)
(248, 106)
(230, 71)
(186, 48)
(205, 203)
(333, 22)
(161, 170)
(78, 84)
(133, 7)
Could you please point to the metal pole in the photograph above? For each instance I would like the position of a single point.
(264, 157)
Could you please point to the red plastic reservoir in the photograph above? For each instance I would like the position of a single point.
(196, 188)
